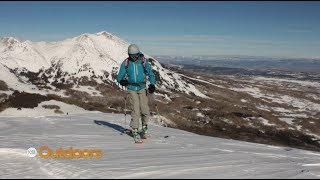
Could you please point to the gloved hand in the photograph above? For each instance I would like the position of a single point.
(124, 82)
(151, 88)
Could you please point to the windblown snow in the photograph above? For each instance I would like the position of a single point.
(169, 153)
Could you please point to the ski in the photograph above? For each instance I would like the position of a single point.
(139, 141)
(144, 136)
(129, 133)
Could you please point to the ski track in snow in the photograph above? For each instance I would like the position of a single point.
(181, 155)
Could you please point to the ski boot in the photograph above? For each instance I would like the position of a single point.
(144, 132)
(136, 136)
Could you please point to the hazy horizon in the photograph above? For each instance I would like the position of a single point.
(270, 29)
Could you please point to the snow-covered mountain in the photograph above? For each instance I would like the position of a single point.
(101, 51)
(96, 56)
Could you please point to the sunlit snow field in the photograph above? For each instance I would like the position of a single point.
(169, 153)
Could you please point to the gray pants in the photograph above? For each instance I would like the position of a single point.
(139, 108)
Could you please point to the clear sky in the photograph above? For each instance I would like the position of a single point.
(288, 29)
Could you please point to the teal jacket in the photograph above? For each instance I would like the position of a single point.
(136, 74)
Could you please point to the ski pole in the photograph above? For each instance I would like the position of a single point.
(125, 107)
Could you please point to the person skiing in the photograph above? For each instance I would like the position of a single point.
(133, 74)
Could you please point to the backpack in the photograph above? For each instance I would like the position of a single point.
(144, 63)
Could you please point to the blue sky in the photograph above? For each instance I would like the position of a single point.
(288, 29)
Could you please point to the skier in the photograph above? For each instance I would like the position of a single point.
(133, 74)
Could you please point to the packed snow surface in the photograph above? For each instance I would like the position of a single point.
(169, 153)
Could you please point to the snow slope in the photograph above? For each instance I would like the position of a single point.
(19, 54)
(21, 84)
(181, 155)
(14, 82)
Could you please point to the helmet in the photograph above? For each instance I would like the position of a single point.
(133, 49)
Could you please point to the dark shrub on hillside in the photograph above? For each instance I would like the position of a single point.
(60, 85)
(57, 111)
(3, 106)
(241, 114)
(3, 86)
(33, 77)
(50, 106)
(25, 100)
(157, 75)
(270, 135)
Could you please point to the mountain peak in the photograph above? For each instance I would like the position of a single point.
(86, 36)
(83, 36)
(104, 33)
(107, 35)
(10, 40)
